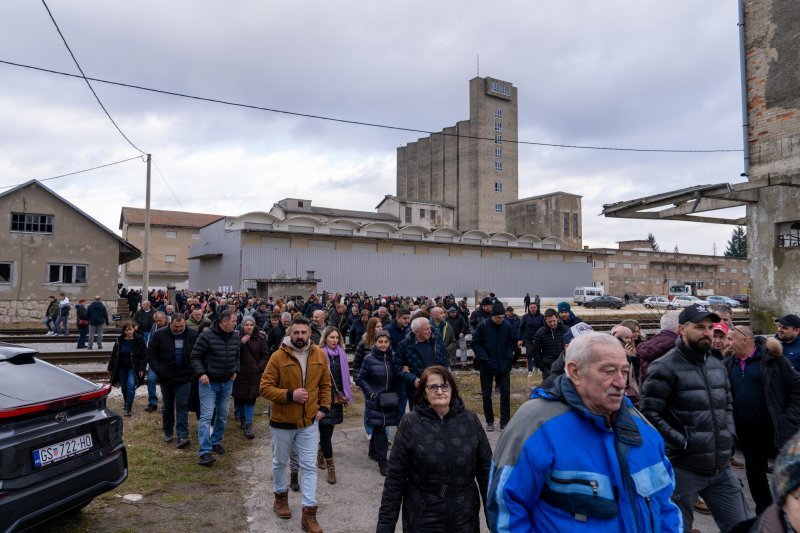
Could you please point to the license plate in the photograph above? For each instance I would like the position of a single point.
(62, 450)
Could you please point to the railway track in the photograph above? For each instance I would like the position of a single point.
(82, 357)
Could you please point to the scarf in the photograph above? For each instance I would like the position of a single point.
(340, 353)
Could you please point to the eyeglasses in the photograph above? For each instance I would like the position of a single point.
(433, 387)
(740, 332)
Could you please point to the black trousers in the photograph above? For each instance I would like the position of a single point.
(503, 381)
(756, 443)
(325, 436)
(379, 443)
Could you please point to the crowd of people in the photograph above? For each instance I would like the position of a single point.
(623, 434)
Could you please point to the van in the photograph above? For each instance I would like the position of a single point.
(584, 294)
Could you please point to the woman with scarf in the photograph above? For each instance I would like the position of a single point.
(253, 359)
(333, 347)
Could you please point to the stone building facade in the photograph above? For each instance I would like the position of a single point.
(635, 267)
(554, 215)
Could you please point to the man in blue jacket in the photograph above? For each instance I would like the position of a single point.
(493, 343)
(579, 455)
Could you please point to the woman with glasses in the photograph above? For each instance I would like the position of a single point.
(381, 402)
(440, 462)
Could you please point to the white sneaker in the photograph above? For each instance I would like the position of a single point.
(530, 373)
(49, 334)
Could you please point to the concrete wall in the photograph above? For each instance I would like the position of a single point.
(161, 246)
(543, 216)
(772, 31)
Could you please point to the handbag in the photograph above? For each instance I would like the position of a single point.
(82, 323)
(388, 399)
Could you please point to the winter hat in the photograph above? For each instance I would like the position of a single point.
(787, 469)
(498, 309)
(563, 306)
(452, 310)
(486, 301)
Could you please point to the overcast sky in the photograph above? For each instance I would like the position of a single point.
(643, 74)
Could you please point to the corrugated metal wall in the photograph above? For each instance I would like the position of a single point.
(388, 273)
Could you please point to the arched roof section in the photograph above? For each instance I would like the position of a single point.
(503, 236)
(342, 223)
(415, 230)
(553, 241)
(530, 238)
(379, 227)
(474, 235)
(302, 220)
(447, 232)
(252, 217)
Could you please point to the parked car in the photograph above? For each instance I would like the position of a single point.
(60, 445)
(716, 299)
(658, 302)
(743, 299)
(685, 300)
(606, 301)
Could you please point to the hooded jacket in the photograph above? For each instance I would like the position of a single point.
(284, 374)
(781, 388)
(687, 397)
(493, 345)
(651, 349)
(610, 477)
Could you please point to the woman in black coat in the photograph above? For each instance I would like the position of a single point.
(439, 453)
(253, 359)
(127, 364)
(376, 378)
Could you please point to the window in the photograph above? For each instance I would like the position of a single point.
(566, 224)
(626, 265)
(498, 186)
(657, 266)
(300, 204)
(723, 269)
(408, 215)
(498, 126)
(66, 274)
(196, 235)
(498, 208)
(501, 88)
(498, 113)
(734, 271)
(498, 153)
(421, 213)
(433, 215)
(642, 266)
(498, 166)
(627, 253)
(575, 225)
(789, 235)
(31, 222)
(612, 265)
(5, 273)
(498, 139)
(169, 258)
(171, 234)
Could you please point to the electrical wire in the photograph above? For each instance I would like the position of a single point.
(368, 124)
(76, 172)
(167, 184)
(87, 79)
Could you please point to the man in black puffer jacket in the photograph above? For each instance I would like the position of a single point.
(215, 360)
(493, 344)
(548, 343)
(687, 397)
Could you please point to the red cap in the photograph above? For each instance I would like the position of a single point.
(721, 326)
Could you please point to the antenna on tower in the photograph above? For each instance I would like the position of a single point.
(478, 59)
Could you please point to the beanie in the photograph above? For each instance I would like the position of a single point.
(498, 309)
(787, 469)
(563, 306)
(486, 301)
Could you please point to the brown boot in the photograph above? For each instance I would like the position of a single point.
(320, 459)
(281, 505)
(309, 520)
(331, 471)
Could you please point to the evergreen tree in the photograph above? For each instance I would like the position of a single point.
(653, 243)
(737, 245)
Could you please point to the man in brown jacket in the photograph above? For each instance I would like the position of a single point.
(297, 384)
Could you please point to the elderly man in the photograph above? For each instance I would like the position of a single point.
(766, 404)
(579, 455)
(297, 384)
(415, 353)
(789, 335)
(168, 354)
(317, 325)
(493, 343)
(444, 330)
(687, 397)
(144, 320)
(215, 360)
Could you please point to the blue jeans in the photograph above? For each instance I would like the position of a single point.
(82, 337)
(215, 395)
(176, 409)
(249, 413)
(152, 399)
(127, 382)
(62, 325)
(51, 321)
(146, 337)
(306, 441)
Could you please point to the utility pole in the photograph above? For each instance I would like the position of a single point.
(146, 252)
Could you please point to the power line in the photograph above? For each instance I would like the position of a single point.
(87, 79)
(360, 123)
(167, 184)
(76, 172)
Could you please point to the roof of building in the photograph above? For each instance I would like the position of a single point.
(557, 193)
(158, 217)
(341, 213)
(127, 251)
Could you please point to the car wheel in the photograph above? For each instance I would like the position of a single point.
(648, 306)
(614, 306)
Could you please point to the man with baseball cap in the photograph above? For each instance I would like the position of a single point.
(687, 397)
(789, 335)
(493, 343)
(719, 341)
